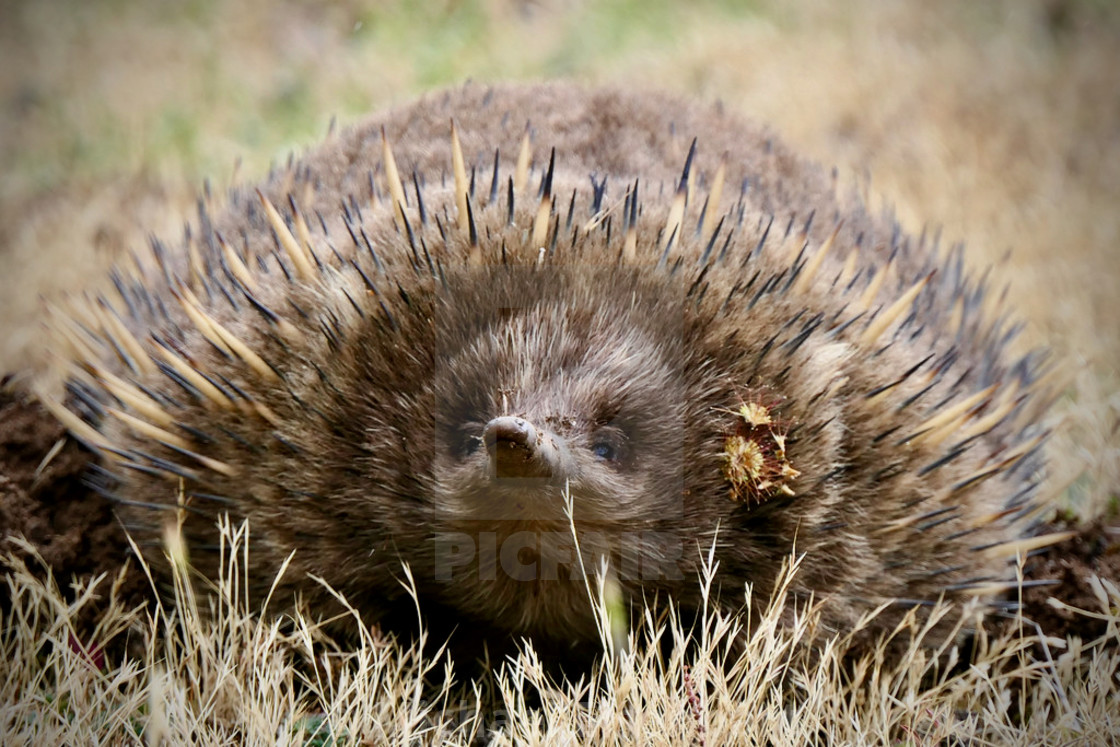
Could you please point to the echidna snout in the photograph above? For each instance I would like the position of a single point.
(517, 450)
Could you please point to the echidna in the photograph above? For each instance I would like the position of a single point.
(444, 334)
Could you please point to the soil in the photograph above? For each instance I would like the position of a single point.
(73, 529)
(1095, 549)
(44, 499)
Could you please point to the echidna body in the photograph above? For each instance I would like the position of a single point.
(439, 333)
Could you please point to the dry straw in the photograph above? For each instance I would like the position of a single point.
(205, 670)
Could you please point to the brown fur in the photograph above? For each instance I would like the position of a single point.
(629, 371)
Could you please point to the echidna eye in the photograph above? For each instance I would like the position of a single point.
(608, 444)
(604, 451)
(464, 445)
(470, 445)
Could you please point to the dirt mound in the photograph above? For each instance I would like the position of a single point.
(43, 497)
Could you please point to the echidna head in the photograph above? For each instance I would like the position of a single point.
(558, 400)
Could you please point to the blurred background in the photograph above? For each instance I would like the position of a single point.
(996, 122)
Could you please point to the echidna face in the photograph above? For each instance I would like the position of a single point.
(552, 406)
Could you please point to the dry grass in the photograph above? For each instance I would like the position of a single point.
(995, 121)
(226, 676)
